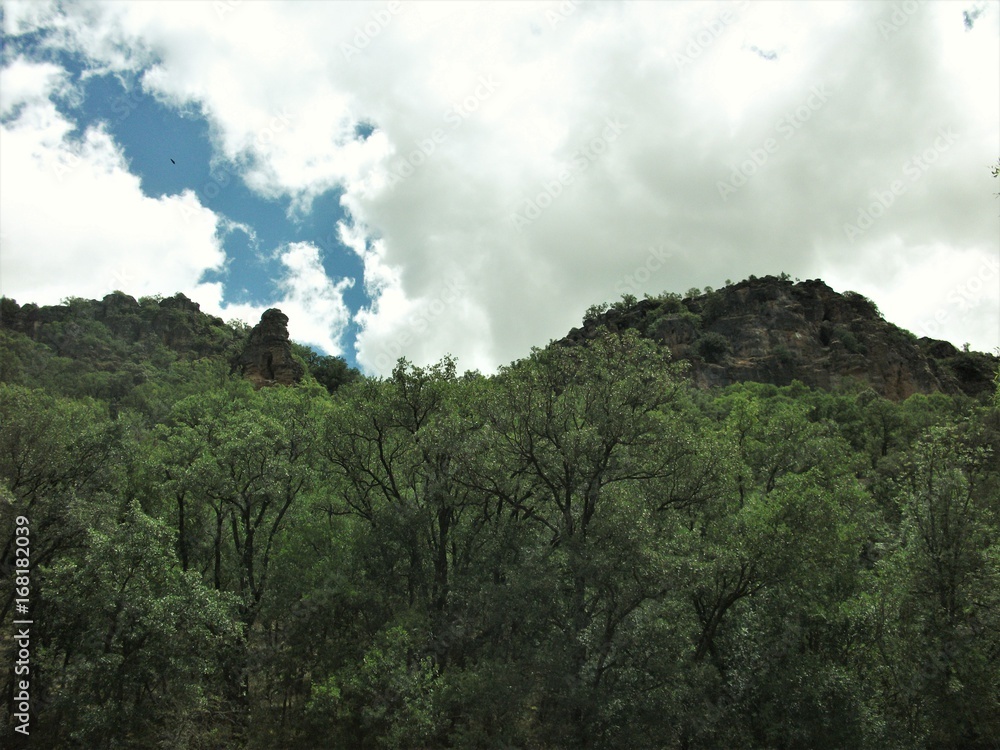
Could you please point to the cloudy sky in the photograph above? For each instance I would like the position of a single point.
(418, 179)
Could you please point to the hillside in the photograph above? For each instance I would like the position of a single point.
(205, 548)
(773, 330)
(127, 352)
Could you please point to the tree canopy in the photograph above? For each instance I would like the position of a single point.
(581, 551)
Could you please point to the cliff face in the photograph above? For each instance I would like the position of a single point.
(771, 330)
(267, 357)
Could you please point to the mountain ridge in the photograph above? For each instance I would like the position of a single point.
(768, 330)
(774, 330)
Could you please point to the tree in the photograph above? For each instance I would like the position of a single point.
(582, 427)
(396, 450)
(235, 462)
(55, 455)
(937, 643)
(131, 645)
(773, 552)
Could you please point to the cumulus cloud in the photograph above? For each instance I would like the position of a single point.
(530, 159)
(313, 303)
(25, 82)
(76, 223)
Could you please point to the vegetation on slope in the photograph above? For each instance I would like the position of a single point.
(583, 551)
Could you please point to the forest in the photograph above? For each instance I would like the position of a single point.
(582, 550)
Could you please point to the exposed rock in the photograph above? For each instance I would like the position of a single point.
(779, 331)
(267, 357)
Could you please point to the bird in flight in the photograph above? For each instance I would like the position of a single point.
(172, 161)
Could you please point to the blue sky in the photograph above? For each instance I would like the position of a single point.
(428, 178)
(170, 150)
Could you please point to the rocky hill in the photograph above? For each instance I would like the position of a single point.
(92, 329)
(773, 330)
(112, 348)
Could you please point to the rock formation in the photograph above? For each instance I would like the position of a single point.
(267, 356)
(772, 330)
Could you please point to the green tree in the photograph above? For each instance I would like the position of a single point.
(234, 462)
(773, 554)
(131, 647)
(55, 455)
(582, 426)
(396, 450)
(936, 633)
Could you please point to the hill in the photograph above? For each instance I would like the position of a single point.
(129, 352)
(579, 551)
(773, 330)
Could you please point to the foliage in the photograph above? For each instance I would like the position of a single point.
(714, 306)
(712, 346)
(864, 305)
(851, 341)
(627, 302)
(670, 302)
(131, 641)
(581, 551)
(784, 354)
(329, 372)
(594, 313)
(143, 355)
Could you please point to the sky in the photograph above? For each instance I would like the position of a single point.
(424, 179)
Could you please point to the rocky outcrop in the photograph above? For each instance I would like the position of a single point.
(267, 357)
(772, 330)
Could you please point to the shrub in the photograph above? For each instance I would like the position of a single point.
(594, 312)
(627, 301)
(670, 302)
(861, 303)
(712, 346)
(784, 354)
(850, 341)
(713, 308)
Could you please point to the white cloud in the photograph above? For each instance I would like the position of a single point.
(25, 82)
(317, 315)
(960, 293)
(697, 104)
(311, 300)
(76, 223)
